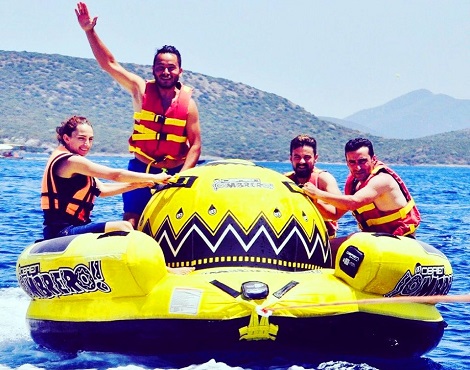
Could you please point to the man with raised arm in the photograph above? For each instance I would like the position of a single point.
(167, 134)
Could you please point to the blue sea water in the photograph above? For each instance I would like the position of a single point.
(443, 197)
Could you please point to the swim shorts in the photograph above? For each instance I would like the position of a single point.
(136, 200)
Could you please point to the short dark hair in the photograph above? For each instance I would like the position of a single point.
(359, 142)
(69, 126)
(168, 49)
(303, 140)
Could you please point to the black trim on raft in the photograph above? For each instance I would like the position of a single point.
(358, 334)
(113, 233)
(196, 243)
(225, 288)
(292, 186)
(182, 182)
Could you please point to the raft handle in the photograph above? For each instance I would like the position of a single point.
(113, 233)
(386, 234)
(230, 291)
(279, 293)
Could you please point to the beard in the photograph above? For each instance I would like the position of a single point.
(303, 172)
(166, 84)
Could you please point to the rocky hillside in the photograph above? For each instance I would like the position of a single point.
(238, 121)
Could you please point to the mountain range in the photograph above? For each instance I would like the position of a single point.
(413, 115)
(237, 121)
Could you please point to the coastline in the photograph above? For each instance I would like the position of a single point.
(209, 158)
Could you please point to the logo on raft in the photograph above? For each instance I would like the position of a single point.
(426, 281)
(64, 281)
(240, 183)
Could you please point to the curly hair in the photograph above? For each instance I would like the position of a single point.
(69, 126)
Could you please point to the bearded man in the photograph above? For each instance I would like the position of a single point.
(303, 156)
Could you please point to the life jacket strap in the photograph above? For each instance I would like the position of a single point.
(398, 215)
(134, 149)
(146, 115)
(144, 133)
(367, 207)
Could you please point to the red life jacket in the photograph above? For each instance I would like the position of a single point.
(158, 134)
(331, 226)
(401, 222)
(74, 201)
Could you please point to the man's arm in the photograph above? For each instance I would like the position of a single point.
(194, 136)
(328, 183)
(134, 84)
(376, 187)
(81, 165)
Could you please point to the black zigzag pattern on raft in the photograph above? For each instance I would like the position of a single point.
(229, 244)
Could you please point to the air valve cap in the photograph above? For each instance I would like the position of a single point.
(254, 290)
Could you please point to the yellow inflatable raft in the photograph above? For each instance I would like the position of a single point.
(263, 280)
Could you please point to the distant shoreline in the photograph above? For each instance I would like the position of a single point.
(212, 158)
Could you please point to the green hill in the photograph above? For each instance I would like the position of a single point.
(237, 121)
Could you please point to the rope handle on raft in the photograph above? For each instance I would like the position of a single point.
(433, 299)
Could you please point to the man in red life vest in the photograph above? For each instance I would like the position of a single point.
(167, 135)
(303, 156)
(376, 195)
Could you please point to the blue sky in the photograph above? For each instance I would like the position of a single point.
(332, 57)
